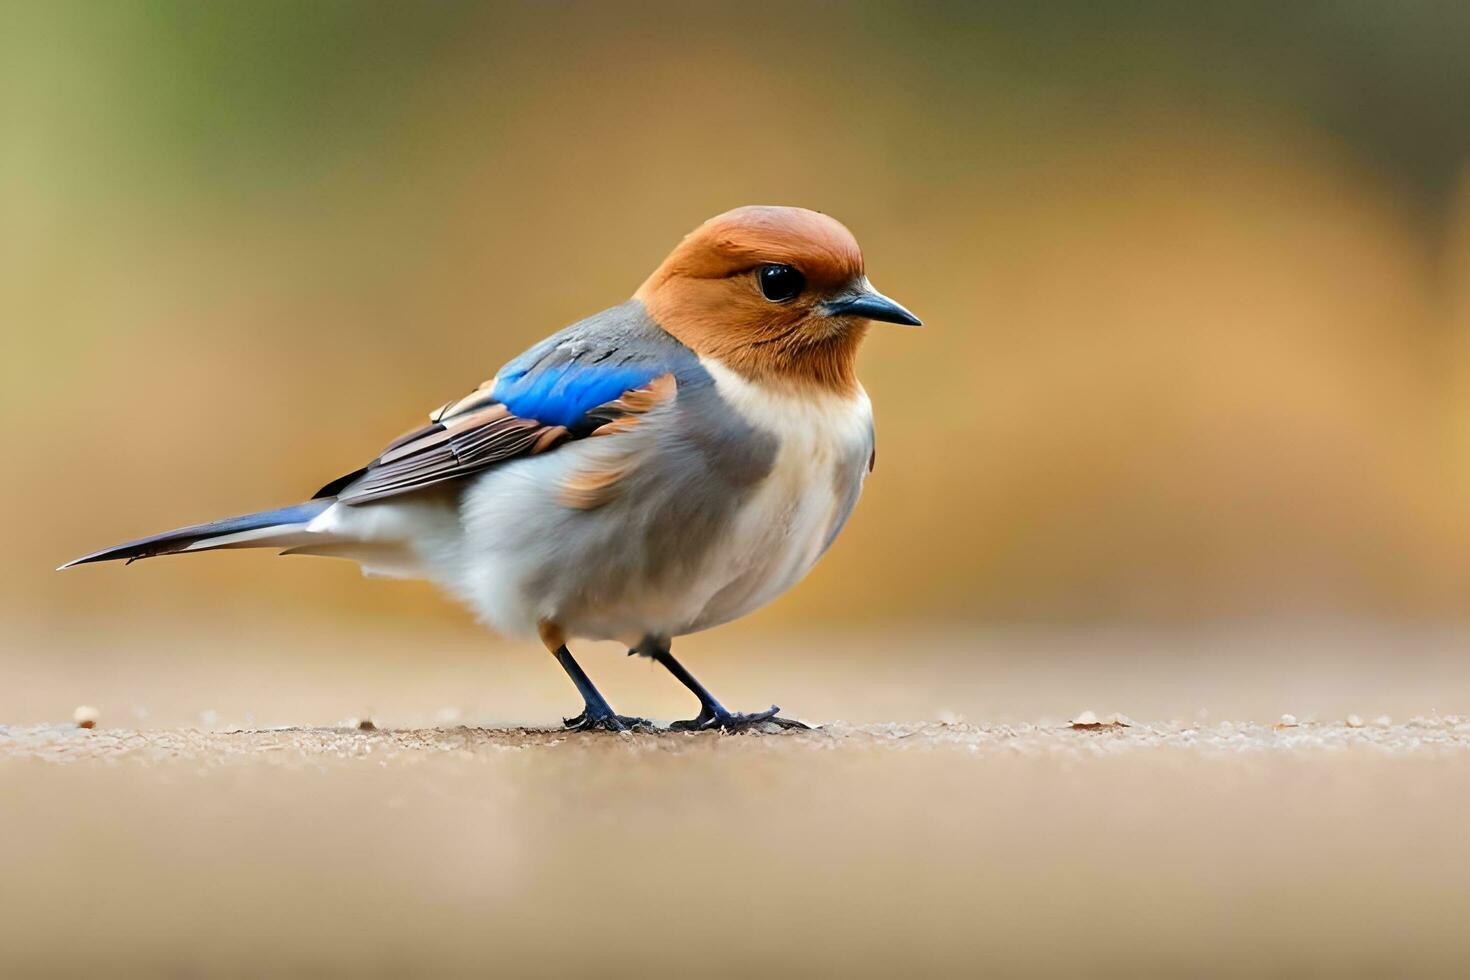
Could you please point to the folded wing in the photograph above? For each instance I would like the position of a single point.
(568, 387)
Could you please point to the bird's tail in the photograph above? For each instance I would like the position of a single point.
(283, 527)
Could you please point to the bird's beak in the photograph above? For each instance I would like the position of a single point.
(870, 304)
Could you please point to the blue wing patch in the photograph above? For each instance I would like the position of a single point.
(538, 401)
(563, 394)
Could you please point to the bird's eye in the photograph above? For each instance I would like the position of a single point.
(780, 282)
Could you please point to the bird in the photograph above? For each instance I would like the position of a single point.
(662, 467)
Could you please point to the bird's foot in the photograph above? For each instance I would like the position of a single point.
(598, 721)
(719, 719)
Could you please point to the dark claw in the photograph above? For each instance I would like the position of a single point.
(597, 715)
(607, 723)
(726, 721)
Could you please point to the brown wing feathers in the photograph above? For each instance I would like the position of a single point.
(473, 434)
(445, 450)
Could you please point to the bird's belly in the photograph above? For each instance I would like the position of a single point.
(764, 549)
(651, 564)
(767, 544)
(676, 549)
(773, 541)
(637, 564)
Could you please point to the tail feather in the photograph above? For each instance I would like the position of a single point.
(281, 527)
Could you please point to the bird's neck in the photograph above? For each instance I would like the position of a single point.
(821, 359)
(825, 364)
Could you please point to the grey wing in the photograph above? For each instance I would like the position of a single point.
(570, 386)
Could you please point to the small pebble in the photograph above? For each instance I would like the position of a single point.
(947, 717)
(1089, 721)
(1354, 721)
(86, 716)
(1288, 721)
(366, 725)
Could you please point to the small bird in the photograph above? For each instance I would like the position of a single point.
(662, 467)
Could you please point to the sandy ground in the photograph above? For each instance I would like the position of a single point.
(197, 842)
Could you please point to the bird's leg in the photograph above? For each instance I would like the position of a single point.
(712, 714)
(597, 714)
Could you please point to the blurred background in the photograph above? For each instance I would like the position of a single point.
(1186, 436)
(1195, 279)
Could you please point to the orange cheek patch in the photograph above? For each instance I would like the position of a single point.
(721, 319)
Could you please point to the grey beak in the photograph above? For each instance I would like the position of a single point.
(871, 305)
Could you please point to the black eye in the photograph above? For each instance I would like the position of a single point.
(780, 282)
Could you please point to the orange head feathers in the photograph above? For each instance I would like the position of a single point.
(773, 293)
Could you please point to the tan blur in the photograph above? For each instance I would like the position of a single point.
(1178, 363)
(1184, 437)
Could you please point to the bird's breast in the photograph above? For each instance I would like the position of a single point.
(823, 441)
(724, 498)
(798, 416)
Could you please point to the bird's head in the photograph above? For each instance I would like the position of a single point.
(773, 293)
